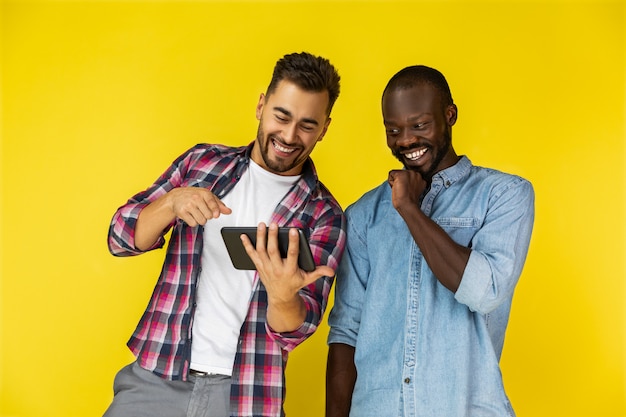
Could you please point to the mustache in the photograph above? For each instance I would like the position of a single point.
(412, 147)
(276, 138)
(281, 141)
(397, 152)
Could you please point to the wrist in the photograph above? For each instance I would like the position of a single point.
(408, 208)
(285, 303)
(286, 315)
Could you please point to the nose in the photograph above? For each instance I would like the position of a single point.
(290, 132)
(405, 138)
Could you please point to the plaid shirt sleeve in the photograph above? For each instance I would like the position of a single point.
(122, 230)
(202, 165)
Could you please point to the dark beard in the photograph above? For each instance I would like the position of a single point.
(437, 157)
(264, 143)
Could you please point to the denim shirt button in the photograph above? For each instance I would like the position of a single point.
(407, 380)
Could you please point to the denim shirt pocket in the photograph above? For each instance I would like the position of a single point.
(460, 229)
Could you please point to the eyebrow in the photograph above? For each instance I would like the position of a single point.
(410, 119)
(288, 114)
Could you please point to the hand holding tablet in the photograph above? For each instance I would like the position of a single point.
(240, 258)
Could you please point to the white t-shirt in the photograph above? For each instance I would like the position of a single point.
(223, 292)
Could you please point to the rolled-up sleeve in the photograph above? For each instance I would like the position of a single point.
(499, 248)
(121, 237)
(122, 231)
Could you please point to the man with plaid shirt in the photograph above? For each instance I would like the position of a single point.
(243, 323)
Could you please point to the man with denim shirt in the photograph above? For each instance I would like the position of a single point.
(432, 258)
(213, 340)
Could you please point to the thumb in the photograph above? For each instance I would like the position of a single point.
(320, 271)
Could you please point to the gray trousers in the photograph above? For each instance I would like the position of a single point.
(140, 393)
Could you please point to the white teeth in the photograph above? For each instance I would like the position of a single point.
(415, 155)
(282, 149)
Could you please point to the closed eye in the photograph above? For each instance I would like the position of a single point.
(281, 114)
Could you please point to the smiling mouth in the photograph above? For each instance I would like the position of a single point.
(415, 155)
(282, 148)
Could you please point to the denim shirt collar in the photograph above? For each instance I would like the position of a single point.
(454, 173)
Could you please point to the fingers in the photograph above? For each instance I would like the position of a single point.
(293, 249)
(260, 252)
(406, 187)
(251, 250)
(261, 239)
(268, 247)
(282, 277)
(196, 205)
(266, 253)
(396, 176)
(222, 208)
(213, 207)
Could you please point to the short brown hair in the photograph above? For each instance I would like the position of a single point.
(309, 72)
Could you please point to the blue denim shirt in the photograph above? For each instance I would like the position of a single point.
(422, 350)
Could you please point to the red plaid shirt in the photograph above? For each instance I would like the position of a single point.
(162, 339)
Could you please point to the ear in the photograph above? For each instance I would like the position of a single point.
(259, 106)
(451, 114)
(324, 129)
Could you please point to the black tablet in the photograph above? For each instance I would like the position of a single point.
(240, 258)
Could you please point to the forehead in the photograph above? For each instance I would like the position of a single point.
(421, 98)
(298, 102)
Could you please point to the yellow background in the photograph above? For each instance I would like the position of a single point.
(99, 97)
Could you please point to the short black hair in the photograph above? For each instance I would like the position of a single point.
(419, 74)
(309, 72)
